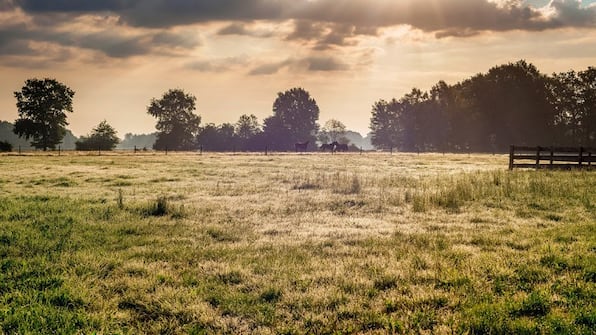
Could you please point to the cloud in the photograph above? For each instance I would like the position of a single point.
(43, 6)
(216, 65)
(242, 29)
(113, 45)
(309, 63)
(167, 13)
(234, 29)
(16, 47)
(324, 64)
(570, 13)
(306, 30)
(129, 28)
(268, 68)
(112, 42)
(6, 5)
(445, 18)
(323, 36)
(183, 39)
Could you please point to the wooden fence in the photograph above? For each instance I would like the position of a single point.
(551, 157)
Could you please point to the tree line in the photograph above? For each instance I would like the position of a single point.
(43, 105)
(510, 104)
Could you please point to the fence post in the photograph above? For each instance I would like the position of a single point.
(201, 150)
(135, 150)
(265, 150)
(166, 151)
(538, 149)
(589, 158)
(581, 156)
(361, 150)
(552, 153)
(511, 153)
(99, 151)
(391, 150)
(59, 151)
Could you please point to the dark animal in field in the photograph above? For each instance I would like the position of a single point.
(326, 146)
(339, 146)
(301, 146)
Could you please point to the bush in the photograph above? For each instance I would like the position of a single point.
(103, 137)
(5, 146)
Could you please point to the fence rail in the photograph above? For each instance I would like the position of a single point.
(551, 157)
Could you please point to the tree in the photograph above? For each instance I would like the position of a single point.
(247, 127)
(514, 104)
(574, 99)
(333, 131)
(177, 125)
(294, 119)
(217, 138)
(248, 133)
(384, 124)
(42, 107)
(103, 137)
(588, 113)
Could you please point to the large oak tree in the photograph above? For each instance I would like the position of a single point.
(294, 119)
(42, 105)
(177, 125)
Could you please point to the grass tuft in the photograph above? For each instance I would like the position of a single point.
(162, 206)
(535, 305)
(271, 295)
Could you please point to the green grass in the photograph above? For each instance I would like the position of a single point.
(294, 244)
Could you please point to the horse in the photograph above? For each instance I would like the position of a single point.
(339, 146)
(301, 146)
(324, 147)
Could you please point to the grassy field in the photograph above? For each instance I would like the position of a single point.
(294, 244)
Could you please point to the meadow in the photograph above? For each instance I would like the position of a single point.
(294, 244)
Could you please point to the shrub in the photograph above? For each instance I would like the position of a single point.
(5, 146)
(103, 137)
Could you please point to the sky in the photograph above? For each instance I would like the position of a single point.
(236, 55)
